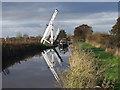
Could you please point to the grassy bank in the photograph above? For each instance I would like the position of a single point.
(91, 67)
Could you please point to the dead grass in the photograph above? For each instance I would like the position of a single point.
(115, 51)
(84, 71)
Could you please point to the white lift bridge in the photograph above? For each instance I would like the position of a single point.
(48, 35)
(50, 55)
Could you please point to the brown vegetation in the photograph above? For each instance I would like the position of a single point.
(109, 42)
(82, 32)
(20, 40)
(17, 47)
(105, 41)
(86, 70)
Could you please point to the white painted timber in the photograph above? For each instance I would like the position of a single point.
(49, 30)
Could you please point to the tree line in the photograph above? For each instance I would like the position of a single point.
(109, 40)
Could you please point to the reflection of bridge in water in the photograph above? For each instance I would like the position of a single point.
(49, 56)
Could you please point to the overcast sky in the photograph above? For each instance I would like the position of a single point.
(31, 18)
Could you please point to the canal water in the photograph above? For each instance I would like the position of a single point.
(39, 71)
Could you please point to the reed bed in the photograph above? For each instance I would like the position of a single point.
(15, 48)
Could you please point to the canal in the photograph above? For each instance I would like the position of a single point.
(38, 71)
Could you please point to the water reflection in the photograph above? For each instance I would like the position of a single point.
(6, 71)
(51, 61)
(6, 63)
(34, 68)
(63, 49)
(51, 56)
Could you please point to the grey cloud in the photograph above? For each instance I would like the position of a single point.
(32, 19)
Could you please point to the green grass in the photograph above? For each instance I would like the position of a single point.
(47, 44)
(90, 67)
(105, 60)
